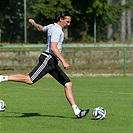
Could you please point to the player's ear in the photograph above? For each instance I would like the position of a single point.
(61, 19)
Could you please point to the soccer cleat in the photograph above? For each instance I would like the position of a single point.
(2, 78)
(82, 113)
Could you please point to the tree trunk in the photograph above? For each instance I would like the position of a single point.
(110, 33)
(110, 28)
(65, 35)
(132, 25)
(129, 27)
(123, 24)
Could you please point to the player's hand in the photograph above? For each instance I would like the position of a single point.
(66, 65)
(31, 21)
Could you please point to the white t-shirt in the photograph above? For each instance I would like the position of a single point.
(54, 34)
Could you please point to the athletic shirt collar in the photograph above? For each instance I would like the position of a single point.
(58, 25)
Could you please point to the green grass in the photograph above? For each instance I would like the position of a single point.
(43, 108)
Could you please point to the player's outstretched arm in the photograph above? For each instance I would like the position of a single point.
(38, 26)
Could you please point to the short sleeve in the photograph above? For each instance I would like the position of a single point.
(45, 28)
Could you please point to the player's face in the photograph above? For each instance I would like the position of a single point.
(66, 21)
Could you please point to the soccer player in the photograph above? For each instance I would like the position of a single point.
(48, 60)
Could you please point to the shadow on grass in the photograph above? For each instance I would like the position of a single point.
(37, 114)
(25, 115)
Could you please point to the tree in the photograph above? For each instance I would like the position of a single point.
(129, 25)
(110, 28)
(11, 21)
(85, 12)
(82, 25)
(123, 23)
(129, 19)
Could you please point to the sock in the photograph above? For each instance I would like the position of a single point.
(3, 78)
(76, 109)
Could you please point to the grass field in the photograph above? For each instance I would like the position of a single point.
(43, 108)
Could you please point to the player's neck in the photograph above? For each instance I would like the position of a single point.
(60, 24)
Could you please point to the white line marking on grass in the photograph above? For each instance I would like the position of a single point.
(110, 92)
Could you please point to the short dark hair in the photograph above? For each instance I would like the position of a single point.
(64, 14)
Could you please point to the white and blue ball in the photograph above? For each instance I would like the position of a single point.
(2, 105)
(99, 113)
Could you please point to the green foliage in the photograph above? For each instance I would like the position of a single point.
(46, 11)
(113, 13)
(11, 21)
(99, 7)
(49, 9)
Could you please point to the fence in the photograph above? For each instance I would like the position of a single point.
(87, 49)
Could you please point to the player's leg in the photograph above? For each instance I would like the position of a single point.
(20, 78)
(17, 78)
(42, 68)
(38, 72)
(69, 94)
(63, 79)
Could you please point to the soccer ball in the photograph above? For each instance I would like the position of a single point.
(99, 113)
(2, 105)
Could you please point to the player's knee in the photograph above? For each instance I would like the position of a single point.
(29, 81)
(68, 85)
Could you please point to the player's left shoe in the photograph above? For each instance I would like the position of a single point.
(82, 113)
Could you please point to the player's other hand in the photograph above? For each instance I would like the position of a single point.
(66, 65)
(31, 21)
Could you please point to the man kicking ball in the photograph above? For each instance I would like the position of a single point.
(48, 61)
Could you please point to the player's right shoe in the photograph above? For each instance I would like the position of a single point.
(82, 113)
